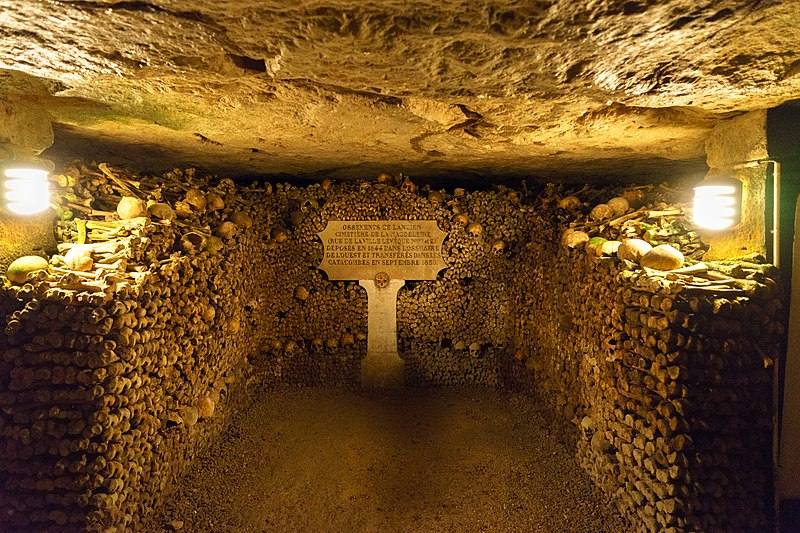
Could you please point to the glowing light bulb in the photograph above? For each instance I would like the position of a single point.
(27, 190)
(716, 207)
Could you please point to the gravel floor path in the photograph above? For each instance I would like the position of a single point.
(315, 460)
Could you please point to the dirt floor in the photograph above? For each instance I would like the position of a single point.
(313, 460)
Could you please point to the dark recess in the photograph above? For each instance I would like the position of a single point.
(783, 142)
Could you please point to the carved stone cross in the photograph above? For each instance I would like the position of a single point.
(381, 255)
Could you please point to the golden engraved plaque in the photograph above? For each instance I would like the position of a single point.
(401, 249)
(381, 255)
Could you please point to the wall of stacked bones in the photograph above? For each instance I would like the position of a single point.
(171, 299)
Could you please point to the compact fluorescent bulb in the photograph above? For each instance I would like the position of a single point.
(27, 190)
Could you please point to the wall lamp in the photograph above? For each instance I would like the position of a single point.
(717, 203)
(26, 186)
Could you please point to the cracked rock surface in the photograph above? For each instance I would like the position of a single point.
(549, 88)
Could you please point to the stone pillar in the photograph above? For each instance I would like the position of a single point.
(382, 367)
(25, 130)
(730, 146)
(25, 236)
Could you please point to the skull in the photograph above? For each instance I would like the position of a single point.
(408, 186)
(214, 245)
(214, 202)
(475, 349)
(436, 198)
(290, 347)
(498, 246)
(381, 280)
(227, 230)
(196, 199)
(569, 203)
(301, 293)
(460, 220)
(475, 229)
(279, 234)
(192, 242)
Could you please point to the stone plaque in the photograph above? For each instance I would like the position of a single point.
(381, 255)
(401, 249)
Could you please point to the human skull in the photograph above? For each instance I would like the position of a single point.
(498, 246)
(290, 347)
(130, 207)
(226, 230)
(279, 234)
(214, 245)
(408, 186)
(436, 198)
(475, 229)
(381, 280)
(460, 220)
(569, 203)
(196, 199)
(242, 219)
(183, 209)
(160, 210)
(214, 202)
(301, 293)
(475, 349)
(206, 406)
(192, 242)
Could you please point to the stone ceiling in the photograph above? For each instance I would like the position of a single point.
(548, 88)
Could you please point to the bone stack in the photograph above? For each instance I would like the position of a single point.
(173, 297)
(667, 377)
(118, 373)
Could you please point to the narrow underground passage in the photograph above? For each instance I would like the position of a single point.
(559, 304)
(196, 353)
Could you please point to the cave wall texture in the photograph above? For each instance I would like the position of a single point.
(116, 374)
(553, 88)
(668, 387)
(670, 399)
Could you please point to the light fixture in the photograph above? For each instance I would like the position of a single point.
(26, 188)
(717, 203)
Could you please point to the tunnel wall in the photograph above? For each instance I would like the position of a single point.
(111, 384)
(113, 380)
(668, 384)
(453, 330)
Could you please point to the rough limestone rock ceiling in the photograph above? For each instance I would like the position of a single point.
(604, 88)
